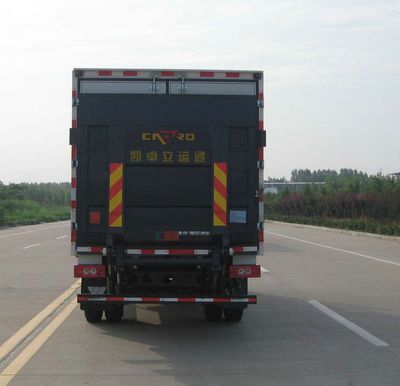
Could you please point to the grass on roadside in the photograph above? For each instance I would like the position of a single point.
(26, 212)
(359, 225)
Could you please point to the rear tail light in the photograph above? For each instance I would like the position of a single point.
(89, 271)
(94, 218)
(243, 271)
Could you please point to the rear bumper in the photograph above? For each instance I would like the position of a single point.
(92, 299)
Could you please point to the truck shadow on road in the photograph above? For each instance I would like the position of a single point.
(281, 338)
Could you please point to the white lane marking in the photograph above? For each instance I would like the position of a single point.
(264, 270)
(335, 249)
(33, 230)
(31, 246)
(61, 237)
(350, 325)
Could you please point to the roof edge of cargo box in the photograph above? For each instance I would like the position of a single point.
(167, 73)
(163, 69)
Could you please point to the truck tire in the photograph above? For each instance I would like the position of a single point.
(115, 314)
(93, 316)
(213, 313)
(233, 314)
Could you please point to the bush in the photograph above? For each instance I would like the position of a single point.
(23, 204)
(361, 225)
(356, 201)
(25, 212)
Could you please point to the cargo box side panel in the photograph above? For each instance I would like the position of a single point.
(243, 183)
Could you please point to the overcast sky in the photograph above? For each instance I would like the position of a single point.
(332, 73)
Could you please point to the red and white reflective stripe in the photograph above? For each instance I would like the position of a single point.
(104, 73)
(168, 73)
(232, 75)
(95, 249)
(73, 153)
(243, 249)
(128, 299)
(206, 74)
(164, 252)
(129, 73)
(222, 75)
(187, 74)
(120, 73)
(74, 125)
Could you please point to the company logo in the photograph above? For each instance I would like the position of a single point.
(167, 136)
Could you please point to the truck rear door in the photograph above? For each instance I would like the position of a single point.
(167, 160)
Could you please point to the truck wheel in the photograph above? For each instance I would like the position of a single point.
(212, 313)
(233, 314)
(93, 316)
(115, 314)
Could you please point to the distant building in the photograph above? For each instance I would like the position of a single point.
(277, 187)
(271, 189)
(396, 174)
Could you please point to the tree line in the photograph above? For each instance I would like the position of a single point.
(44, 193)
(31, 203)
(320, 175)
(348, 195)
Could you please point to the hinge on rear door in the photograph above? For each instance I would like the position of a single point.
(74, 136)
(260, 164)
(74, 163)
(182, 88)
(154, 86)
(260, 225)
(260, 103)
(259, 193)
(262, 138)
(75, 102)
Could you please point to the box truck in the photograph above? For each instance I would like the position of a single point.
(167, 188)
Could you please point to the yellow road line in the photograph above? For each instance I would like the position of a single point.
(7, 375)
(24, 331)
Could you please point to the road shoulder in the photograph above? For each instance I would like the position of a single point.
(337, 230)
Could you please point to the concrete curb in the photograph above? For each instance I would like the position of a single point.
(337, 230)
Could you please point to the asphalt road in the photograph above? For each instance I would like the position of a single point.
(328, 313)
